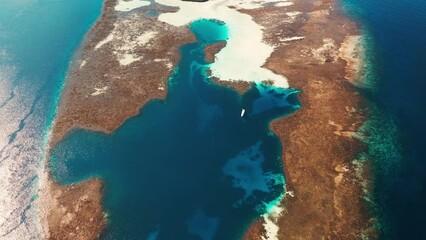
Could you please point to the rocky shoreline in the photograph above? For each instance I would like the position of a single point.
(316, 48)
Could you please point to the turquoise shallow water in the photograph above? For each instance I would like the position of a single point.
(188, 167)
(37, 41)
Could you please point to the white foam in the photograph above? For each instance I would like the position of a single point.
(20, 155)
(126, 6)
(245, 52)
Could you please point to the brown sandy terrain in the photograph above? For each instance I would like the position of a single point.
(317, 49)
(75, 212)
(212, 49)
(114, 91)
(319, 143)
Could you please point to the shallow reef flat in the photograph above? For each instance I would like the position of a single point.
(128, 57)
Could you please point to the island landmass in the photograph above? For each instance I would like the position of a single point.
(126, 60)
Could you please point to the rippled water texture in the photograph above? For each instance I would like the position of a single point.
(37, 39)
(188, 167)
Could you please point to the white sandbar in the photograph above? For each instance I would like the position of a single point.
(245, 52)
(126, 6)
(271, 218)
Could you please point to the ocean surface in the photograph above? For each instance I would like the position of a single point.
(37, 41)
(396, 43)
(192, 166)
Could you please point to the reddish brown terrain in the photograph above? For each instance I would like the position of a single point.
(113, 92)
(75, 211)
(327, 200)
(316, 48)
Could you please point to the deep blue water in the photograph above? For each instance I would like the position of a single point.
(397, 29)
(189, 166)
(37, 41)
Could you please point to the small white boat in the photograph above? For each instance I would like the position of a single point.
(242, 112)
